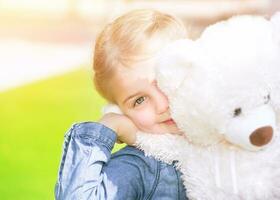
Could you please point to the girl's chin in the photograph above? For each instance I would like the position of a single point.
(175, 130)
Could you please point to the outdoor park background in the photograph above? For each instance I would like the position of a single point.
(45, 76)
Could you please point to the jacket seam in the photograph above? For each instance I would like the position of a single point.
(65, 147)
(178, 185)
(155, 182)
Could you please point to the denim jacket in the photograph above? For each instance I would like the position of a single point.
(89, 171)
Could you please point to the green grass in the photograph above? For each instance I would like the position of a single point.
(33, 121)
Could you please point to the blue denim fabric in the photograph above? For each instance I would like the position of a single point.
(89, 171)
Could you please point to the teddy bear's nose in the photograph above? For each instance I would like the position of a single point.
(261, 136)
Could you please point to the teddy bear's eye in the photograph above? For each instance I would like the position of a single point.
(266, 99)
(237, 112)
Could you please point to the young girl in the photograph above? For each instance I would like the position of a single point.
(124, 60)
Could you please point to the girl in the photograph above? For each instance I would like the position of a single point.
(124, 60)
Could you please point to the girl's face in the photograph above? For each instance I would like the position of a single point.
(136, 92)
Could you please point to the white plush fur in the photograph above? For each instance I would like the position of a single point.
(234, 64)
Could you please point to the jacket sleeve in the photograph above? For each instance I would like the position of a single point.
(87, 148)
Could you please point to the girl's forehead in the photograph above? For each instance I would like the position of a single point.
(139, 70)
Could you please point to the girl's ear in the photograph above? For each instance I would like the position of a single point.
(111, 108)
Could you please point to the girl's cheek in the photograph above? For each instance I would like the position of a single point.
(143, 118)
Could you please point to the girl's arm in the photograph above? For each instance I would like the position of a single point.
(87, 149)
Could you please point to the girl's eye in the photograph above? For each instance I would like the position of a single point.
(139, 101)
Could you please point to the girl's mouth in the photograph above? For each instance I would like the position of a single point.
(169, 122)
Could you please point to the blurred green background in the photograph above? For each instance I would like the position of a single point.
(34, 119)
(46, 84)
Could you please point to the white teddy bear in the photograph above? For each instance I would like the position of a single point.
(226, 99)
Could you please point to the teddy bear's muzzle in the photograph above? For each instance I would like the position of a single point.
(254, 130)
(261, 136)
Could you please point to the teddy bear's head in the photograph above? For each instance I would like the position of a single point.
(226, 84)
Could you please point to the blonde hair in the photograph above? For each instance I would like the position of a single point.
(125, 39)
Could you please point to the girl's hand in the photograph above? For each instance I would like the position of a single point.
(122, 125)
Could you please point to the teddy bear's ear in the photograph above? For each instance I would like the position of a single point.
(174, 62)
(275, 21)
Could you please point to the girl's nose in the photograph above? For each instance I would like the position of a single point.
(161, 102)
